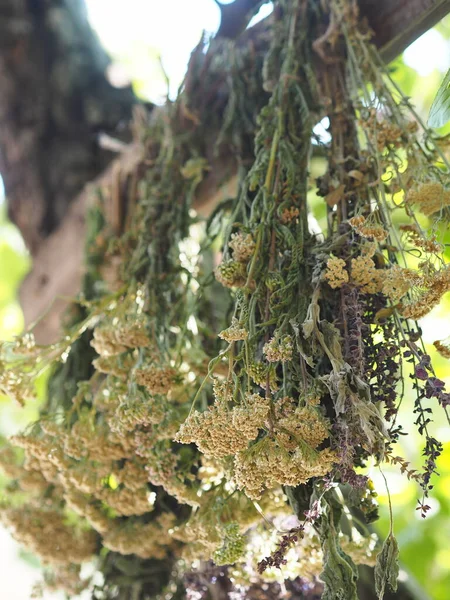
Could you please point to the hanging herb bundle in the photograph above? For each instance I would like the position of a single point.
(229, 409)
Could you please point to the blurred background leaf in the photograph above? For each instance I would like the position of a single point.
(440, 109)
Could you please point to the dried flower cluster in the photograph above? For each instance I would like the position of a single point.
(234, 333)
(336, 273)
(279, 349)
(374, 232)
(231, 273)
(242, 246)
(430, 198)
(443, 347)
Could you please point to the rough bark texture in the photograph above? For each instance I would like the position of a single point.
(397, 23)
(54, 101)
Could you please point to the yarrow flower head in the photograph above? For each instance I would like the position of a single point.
(416, 237)
(429, 198)
(363, 227)
(365, 275)
(234, 333)
(267, 465)
(397, 282)
(157, 380)
(336, 273)
(110, 340)
(437, 283)
(279, 348)
(243, 246)
(231, 273)
(443, 347)
(221, 432)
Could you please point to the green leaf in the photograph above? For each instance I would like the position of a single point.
(440, 109)
(339, 573)
(386, 568)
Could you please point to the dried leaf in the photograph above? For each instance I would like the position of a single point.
(335, 196)
(371, 423)
(386, 568)
(339, 573)
(308, 359)
(333, 340)
(356, 175)
(336, 383)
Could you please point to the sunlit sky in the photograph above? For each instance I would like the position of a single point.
(135, 32)
(138, 30)
(431, 51)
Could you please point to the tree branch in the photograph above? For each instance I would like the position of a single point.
(397, 23)
(235, 17)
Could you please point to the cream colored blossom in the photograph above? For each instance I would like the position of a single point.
(220, 431)
(213, 432)
(126, 501)
(437, 284)
(365, 275)
(234, 333)
(362, 226)
(243, 246)
(157, 380)
(44, 532)
(397, 282)
(301, 423)
(267, 465)
(336, 273)
(429, 198)
(279, 348)
(147, 540)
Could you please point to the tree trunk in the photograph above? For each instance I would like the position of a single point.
(55, 101)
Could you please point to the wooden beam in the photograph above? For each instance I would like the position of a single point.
(398, 23)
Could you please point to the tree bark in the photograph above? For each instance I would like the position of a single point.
(55, 100)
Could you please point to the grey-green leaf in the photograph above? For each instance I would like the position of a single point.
(386, 568)
(440, 109)
(339, 573)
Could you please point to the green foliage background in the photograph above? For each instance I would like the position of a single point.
(424, 547)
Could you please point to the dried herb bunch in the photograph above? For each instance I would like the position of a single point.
(223, 410)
